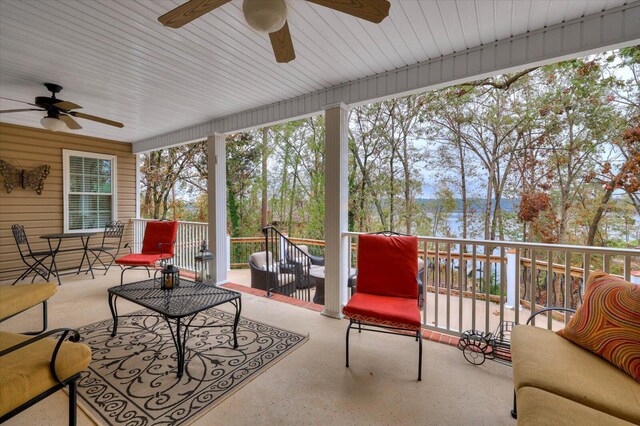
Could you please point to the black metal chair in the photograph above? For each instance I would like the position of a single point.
(33, 259)
(111, 241)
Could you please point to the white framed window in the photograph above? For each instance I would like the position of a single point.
(90, 196)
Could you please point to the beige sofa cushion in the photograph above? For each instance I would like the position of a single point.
(544, 360)
(537, 407)
(17, 298)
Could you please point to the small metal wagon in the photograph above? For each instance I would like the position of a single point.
(478, 346)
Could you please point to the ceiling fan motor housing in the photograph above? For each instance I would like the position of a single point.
(46, 102)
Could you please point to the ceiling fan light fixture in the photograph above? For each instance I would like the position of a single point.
(265, 15)
(53, 124)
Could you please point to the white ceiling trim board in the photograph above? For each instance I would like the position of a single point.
(610, 29)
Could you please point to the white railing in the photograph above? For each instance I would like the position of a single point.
(190, 236)
(497, 276)
(477, 284)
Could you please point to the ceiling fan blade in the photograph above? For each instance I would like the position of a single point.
(371, 10)
(282, 44)
(98, 119)
(67, 105)
(20, 110)
(189, 11)
(70, 122)
(16, 100)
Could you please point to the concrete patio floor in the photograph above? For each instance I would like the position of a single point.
(311, 385)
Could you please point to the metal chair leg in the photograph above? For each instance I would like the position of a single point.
(348, 330)
(44, 321)
(419, 355)
(73, 402)
(514, 412)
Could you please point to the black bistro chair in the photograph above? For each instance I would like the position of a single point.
(111, 242)
(35, 260)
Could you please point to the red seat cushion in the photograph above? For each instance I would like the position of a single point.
(397, 312)
(387, 265)
(139, 259)
(160, 237)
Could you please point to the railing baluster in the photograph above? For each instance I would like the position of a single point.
(474, 261)
(437, 284)
(568, 302)
(449, 271)
(627, 268)
(585, 273)
(487, 285)
(462, 267)
(503, 280)
(550, 284)
(517, 289)
(532, 293)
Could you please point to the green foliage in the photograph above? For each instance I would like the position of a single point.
(539, 134)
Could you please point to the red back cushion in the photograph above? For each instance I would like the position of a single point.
(387, 266)
(160, 237)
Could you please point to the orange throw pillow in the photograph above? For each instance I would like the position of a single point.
(608, 322)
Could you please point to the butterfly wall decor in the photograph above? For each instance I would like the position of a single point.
(32, 177)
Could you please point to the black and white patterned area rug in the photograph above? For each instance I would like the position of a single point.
(132, 378)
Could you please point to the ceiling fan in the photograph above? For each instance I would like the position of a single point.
(59, 112)
(270, 16)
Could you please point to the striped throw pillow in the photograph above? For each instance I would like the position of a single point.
(608, 322)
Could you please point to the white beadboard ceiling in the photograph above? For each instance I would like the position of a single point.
(116, 60)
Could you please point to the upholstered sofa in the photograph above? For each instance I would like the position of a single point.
(556, 381)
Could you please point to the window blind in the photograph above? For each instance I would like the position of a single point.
(90, 192)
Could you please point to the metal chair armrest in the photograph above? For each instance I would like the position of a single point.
(75, 337)
(127, 246)
(552, 308)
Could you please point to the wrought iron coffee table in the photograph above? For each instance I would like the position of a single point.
(178, 306)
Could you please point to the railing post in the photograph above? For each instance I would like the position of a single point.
(265, 231)
(229, 251)
(512, 281)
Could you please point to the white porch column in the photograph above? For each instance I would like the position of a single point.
(217, 204)
(138, 179)
(336, 195)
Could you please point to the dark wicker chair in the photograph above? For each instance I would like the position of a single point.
(272, 279)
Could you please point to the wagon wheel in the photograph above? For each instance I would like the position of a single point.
(474, 353)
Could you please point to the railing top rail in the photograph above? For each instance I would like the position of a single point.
(309, 241)
(514, 244)
(247, 239)
(137, 219)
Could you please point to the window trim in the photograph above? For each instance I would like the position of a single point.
(66, 179)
